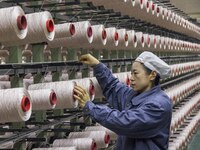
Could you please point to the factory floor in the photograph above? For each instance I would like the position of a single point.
(195, 143)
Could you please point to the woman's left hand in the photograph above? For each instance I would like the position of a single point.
(81, 95)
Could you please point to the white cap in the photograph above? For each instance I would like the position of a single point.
(154, 63)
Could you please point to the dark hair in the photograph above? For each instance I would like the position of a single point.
(157, 79)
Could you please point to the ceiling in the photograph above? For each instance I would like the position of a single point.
(190, 7)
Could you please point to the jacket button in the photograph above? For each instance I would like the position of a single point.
(128, 104)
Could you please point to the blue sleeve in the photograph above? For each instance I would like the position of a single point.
(144, 122)
(114, 91)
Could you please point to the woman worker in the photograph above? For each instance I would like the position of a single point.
(140, 114)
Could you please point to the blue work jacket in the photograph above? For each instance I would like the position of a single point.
(141, 121)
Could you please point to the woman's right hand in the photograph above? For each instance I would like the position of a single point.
(88, 59)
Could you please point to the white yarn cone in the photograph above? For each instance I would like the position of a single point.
(101, 138)
(123, 39)
(43, 99)
(64, 30)
(57, 148)
(147, 40)
(13, 25)
(80, 143)
(40, 29)
(64, 91)
(98, 90)
(15, 105)
(5, 85)
(4, 77)
(113, 136)
(140, 40)
(83, 35)
(99, 38)
(112, 38)
(87, 84)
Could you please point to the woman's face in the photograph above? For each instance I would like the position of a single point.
(140, 80)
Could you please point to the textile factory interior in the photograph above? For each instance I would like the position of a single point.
(100, 74)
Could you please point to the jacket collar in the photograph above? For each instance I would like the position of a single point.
(137, 99)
